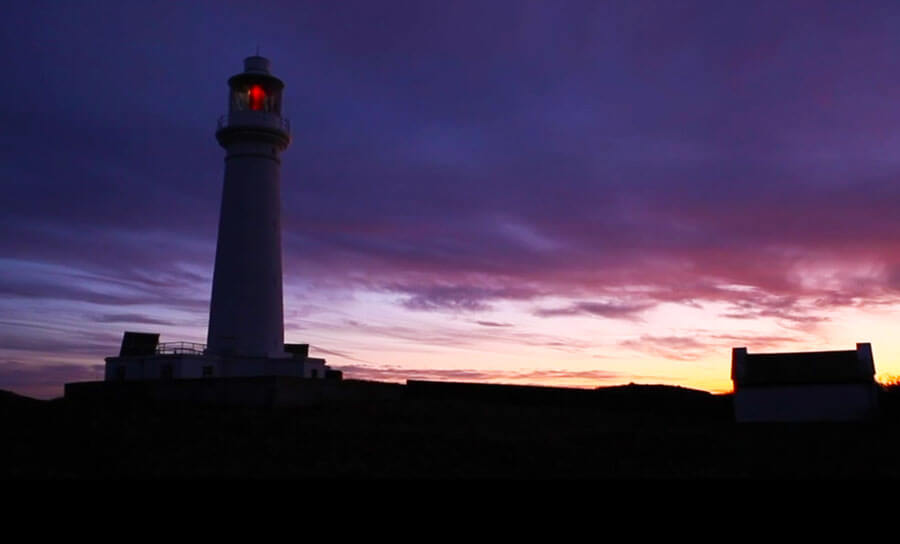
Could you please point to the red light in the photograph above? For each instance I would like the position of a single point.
(257, 98)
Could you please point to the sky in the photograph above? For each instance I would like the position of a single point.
(561, 193)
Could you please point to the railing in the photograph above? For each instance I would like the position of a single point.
(254, 118)
(180, 348)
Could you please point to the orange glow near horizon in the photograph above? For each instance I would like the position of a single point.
(376, 336)
(673, 344)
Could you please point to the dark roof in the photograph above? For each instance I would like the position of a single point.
(297, 350)
(138, 344)
(817, 367)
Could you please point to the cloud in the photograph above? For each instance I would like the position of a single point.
(46, 340)
(44, 381)
(754, 342)
(166, 287)
(443, 298)
(801, 313)
(689, 165)
(493, 324)
(466, 337)
(702, 343)
(611, 310)
(467, 298)
(130, 318)
(315, 351)
(395, 373)
(682, 348)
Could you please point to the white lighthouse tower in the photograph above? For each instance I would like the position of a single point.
(246, 316)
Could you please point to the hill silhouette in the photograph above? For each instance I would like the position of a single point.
(10, 400)
(633, 431)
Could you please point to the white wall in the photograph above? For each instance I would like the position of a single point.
(848, 402)
(191, 367)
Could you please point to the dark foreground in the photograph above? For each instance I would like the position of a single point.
(628, 432)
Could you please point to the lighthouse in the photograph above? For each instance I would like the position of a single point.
(246, 316)
(245, 339)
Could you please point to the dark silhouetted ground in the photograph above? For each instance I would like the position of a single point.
(622, 432)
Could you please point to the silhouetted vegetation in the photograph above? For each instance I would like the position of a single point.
(889, 400)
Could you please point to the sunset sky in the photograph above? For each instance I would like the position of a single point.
(562, 193)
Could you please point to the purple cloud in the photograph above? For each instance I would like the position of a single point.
(683, 149)
(690, 348)
(455, 297)
(611, 310)
(130, 318)
(493, 324)
(393, 373)
(44, 381)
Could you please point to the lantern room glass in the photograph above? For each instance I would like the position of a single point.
(255, 97)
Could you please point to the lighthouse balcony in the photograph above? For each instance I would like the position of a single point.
(180, 348)
(255, 120)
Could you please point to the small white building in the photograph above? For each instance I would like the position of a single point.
(808, 386)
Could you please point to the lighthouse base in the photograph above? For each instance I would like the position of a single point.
(186, 366)
(143, 357)
(187, 375)
(261, 392)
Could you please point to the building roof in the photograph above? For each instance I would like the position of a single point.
(816, 367)
(138, 343)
